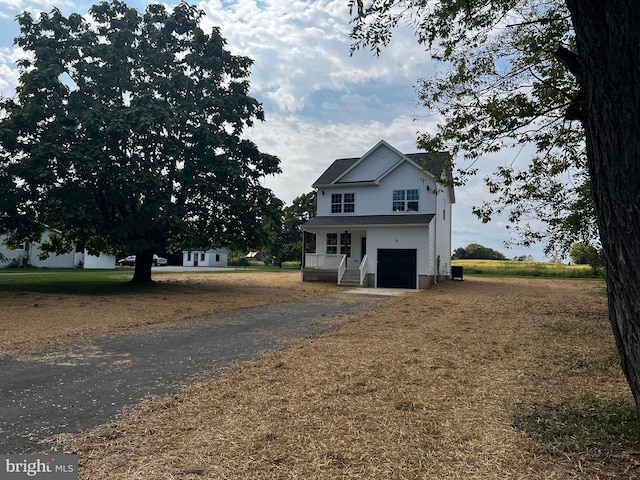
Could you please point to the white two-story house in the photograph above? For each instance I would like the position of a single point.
(383, 220)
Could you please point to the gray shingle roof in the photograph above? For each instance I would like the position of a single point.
(368, 220)
(337, 168)
(433, 162)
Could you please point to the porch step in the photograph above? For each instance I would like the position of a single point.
(351, 279)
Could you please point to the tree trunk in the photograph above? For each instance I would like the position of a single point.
(142, 272)
(608, 43)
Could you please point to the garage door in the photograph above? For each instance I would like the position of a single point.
(397, 268)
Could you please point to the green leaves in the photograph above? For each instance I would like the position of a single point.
(503, 89)
(126, 131)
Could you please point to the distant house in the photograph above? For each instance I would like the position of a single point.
(253, 255)
(383, 220)
(215, 257)
(29, 253)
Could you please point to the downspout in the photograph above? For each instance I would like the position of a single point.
(435, 243)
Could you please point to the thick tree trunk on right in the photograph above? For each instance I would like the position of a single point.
(608, 43)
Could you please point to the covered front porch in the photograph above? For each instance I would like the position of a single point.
(333, 268)
(343, 259)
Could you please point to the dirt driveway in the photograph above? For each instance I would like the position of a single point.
(69, 388)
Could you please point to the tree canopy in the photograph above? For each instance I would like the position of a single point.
(287, 244)
(561, 76)
(478, 252)
(503, 87)
(126, 132)
(586, 254)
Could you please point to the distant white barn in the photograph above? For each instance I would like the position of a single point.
(215, 257)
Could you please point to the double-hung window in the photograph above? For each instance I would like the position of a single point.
(343, 203)
(332, 243)
(413, 198)
(349, 205)
(344, 243)
(336, 203)
(406, 200)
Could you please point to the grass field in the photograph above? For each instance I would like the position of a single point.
(525, 269)
(72, 281)
(488, 378)
(493, 377)
(97, 282)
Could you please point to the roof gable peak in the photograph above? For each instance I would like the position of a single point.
(339, 170)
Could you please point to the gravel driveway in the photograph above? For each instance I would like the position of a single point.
(73, 388)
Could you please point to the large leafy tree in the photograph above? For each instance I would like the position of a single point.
(504, 88)
(561, 76)
(286, 237)
(301, 210)
(126, 132)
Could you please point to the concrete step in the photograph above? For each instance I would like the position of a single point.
(351, 279)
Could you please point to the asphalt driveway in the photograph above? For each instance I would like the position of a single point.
(73, 388)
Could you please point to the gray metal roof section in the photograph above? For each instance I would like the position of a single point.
(433, 162)
(368, 220)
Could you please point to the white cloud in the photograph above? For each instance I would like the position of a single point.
(306, 147)
(8, 72)
(320, 102)
(10, 8)
(301, 47)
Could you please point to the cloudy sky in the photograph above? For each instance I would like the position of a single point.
(320, 103)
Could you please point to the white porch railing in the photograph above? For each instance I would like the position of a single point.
(363, 269)
(323, 261)
(342, 268)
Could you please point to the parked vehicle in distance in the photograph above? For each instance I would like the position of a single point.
(130, 261)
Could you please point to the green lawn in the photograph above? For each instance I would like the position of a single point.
(95, 282)
(67, 281)
(114, 282)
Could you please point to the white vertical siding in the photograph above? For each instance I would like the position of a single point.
(187, 258)
(98, 261)
(399, 238)
(210, 258)
(372, 199)
(443, 233)
(373, 166)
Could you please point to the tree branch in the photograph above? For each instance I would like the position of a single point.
(569, 60)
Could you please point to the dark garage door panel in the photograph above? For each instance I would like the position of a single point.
(397, 268)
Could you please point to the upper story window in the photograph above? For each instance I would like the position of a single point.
(349, 205)
(406, 200)
(343, 203)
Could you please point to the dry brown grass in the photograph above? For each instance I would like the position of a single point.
(31, 320)
(425, 388)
